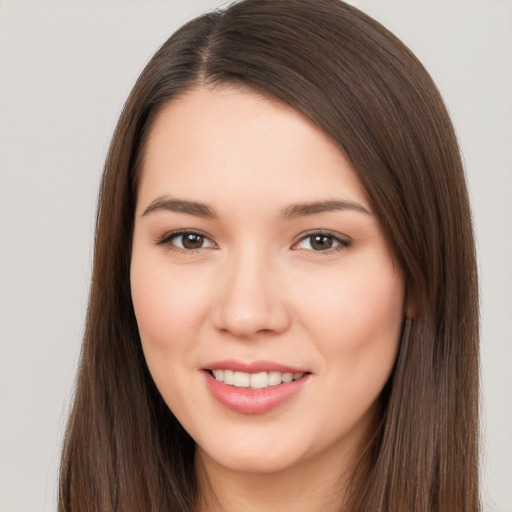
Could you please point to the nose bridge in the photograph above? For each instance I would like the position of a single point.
(251, 300)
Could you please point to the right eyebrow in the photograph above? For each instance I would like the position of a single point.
(180, 206)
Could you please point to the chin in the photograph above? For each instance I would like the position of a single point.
(256, 463)
(254, 454)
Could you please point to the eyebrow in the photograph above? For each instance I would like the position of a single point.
(181, 206)
(290, 212)
(304, 209)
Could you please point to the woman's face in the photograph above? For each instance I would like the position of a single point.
(257, 260)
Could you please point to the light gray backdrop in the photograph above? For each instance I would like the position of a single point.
(65, 70)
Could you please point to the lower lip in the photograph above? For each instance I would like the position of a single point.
(253, 401)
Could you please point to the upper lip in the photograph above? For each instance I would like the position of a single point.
(253, 366)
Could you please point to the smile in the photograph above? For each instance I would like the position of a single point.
(260, 380)
(254, 388)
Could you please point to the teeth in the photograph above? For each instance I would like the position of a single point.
(287, 377)
(241, 380)
(274, 378)
(259, 380)
(229, 377)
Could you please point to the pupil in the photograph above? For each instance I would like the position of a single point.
(321, 242)
(192, 241)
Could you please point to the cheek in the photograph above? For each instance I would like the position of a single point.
(357, 326)
(169, 307)
(357, 320)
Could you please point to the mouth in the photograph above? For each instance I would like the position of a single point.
(259, 380)
(256, 387)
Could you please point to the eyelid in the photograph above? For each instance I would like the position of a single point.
(167, 237)
(343, 241)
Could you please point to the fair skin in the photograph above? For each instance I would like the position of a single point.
(259, 285)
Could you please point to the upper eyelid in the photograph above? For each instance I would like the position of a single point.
(172, 234)
(338, 236)
(325, 232)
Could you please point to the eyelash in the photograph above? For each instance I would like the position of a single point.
(342, 243)
(166, 240)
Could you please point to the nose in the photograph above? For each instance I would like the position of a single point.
(251, 302)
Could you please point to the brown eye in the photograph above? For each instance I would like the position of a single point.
(322, 242)
(186, 241)
(192, 240)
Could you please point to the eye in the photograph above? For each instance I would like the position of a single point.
(322, 242)
(186, 241)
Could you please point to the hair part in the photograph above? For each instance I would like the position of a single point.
(124, 450)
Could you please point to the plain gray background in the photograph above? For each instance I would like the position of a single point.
(66, 68)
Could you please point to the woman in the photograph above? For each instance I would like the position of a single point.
(283, 310)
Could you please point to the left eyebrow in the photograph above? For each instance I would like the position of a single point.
(303, 209)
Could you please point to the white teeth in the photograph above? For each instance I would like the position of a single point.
(241, 380)
(219, 375)
(259, 380)
(274, 378)
(229, 377)
(287, 377)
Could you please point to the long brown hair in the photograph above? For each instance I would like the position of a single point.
(124, 450)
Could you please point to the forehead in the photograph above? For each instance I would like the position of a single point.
(220, 143)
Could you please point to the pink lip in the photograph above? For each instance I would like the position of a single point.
(253, 367)
(253, 401)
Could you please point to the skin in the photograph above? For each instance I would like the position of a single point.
(258, 289)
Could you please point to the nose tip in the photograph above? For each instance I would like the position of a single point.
(243, 322)
(251, 303)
